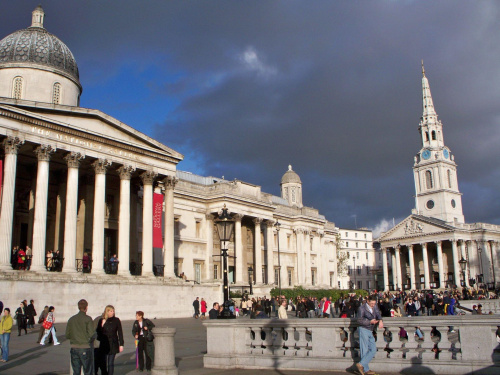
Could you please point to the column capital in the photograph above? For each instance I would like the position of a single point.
(101, 165)
(169, 182)
(148, 177)
(125, 172)
(424, 245)
(73, 159)
(257, 221)
(238, 217)
(43, 152)
(270, 223)
(12, 144)
(453, 241)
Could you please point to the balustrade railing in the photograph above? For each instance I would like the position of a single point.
(448, 345)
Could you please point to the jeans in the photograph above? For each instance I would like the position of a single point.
(110, 361)
(368, 347)
(5, 338)
(81, 358)
(47, 332)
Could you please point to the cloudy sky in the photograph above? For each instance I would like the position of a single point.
(244, 88)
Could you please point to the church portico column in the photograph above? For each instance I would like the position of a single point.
(148, 178)
(425, 256)
(169, 245)
(442, 282)
(270, 251)
(411, 260)
(73, 161)
(125, 173)
(238, 248)
(456, 265)
(307, 255)
(394, 270)
(385, 269)
(100, 167)
(40, 224)
(397, 250)
(209, 222)
(11, 147)
(258, 251)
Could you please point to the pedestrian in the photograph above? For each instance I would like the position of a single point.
(110, 337)
(214, 313)
(326, 307)
(141, 330)
(86, 263)
(196, 305)
(41, 319)
(203, 308)
(20, 317)
(368, 317)
(21, 260)
(79, 332)
(30, 314)
(282, 310)
(5, 330)
(48, 324)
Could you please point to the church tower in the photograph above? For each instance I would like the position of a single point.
(291, 188)
(435, 171)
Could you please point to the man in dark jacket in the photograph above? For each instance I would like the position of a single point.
(196, 305)
(368, 316)
(214, 313)
(79, 331)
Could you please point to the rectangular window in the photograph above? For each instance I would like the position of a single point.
(357, 245)
(313, 277)
(290, 274)
(216, 271)
(360, 285)
(355, 235)
(359, 270)
(347, 244)
(367, 270)
(365, 235)
(366, 256)
(346, 234)
(348, 270)
(197, 272)
(366, 245)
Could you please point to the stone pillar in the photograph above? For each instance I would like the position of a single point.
(258, 251)
(385, 269)
(307, 254)
(164, 361)
(125, 172)
(100, 166)
(11, 146)
(464, 255)
(270, 251)
(425, 256)
(238, 249)
(413, 281)
(442, 282)
(70, 218)
(300, 256)
(169, 244)
(398, 268)
(147, 222)
(394, 270)
(209, 252)
(456, 266)
(40, 224)
(494, 260)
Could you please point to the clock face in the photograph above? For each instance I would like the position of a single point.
(426, 154)
(446, 153)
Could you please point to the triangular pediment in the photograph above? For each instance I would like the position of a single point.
(416, 226)
(85, 123)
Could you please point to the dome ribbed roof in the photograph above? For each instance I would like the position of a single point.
(290, 176)
(35, 46)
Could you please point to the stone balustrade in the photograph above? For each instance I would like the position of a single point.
(450, 345)
(492, 305)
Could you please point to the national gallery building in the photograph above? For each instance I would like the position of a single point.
(79, 182)
(434, 247)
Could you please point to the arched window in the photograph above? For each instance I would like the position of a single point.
(448, 173)
(428, 180)
(56, 93)
(433, 135)
(427, 136)
(17, 88)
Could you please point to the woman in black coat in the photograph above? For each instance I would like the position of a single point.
(110, 335)
(21, 319)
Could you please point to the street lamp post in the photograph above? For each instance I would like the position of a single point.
(277, 225)
(481, 275)
(225, 226)
(463, 265)
(354, 260)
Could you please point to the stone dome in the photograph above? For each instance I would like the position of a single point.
(290, 177)
(36, 47)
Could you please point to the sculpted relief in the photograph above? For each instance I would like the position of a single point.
(413, 227)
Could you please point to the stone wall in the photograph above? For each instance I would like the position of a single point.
(157, 297)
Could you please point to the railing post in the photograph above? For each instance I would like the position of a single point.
(164, 363)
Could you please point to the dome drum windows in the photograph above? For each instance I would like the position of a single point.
(56, 93)
(17, 88)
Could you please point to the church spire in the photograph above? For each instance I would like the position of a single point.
(428, 106)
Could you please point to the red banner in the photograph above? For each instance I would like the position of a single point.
(157, 218)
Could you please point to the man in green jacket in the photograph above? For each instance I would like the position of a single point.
(5, 329)
(79, 331)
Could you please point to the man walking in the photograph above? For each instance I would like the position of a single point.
(196, 305)
(368, 316)
(79, 331)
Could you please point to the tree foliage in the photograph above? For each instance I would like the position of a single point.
(318, 293)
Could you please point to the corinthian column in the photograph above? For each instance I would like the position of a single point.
(258, 251)
(70, 219)
(125, 172)
(40, 224)
(300, 255)
(425, 256)
(100, 167)
(169, 245)
(456, 265)
(384, 268)
(442, 283)
(269, 248)
(238, 248)
(147, 223)
(398, 267)
(413, 281)
(11, 146)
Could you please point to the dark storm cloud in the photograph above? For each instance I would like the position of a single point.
(333, 88)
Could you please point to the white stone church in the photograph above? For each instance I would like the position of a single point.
(78, 181)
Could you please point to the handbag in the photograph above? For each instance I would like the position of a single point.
(149, 336)
(47, 324)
